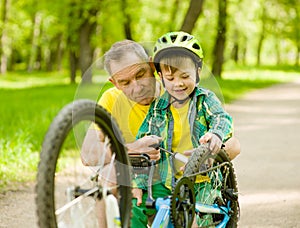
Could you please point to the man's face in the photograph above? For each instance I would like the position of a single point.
(135, 78)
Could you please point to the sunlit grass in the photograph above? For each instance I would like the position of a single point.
(25, 115)
(261, 75)
(18, 159)
(18, 80)
(235, 83)
(24, 79)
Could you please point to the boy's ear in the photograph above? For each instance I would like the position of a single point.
(160, 75)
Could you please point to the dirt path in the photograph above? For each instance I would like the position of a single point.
(17, 208)
(267, 122)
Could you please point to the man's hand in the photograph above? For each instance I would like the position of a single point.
(146, 145)
(214, 141)
(137, 193)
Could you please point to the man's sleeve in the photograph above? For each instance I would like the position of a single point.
(107, 100)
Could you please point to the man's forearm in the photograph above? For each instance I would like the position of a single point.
(93, 149)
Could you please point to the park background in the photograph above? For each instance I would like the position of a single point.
(47, 46)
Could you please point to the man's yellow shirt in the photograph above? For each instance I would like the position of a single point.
(128, 114)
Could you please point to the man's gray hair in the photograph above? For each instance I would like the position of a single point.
(119, 49)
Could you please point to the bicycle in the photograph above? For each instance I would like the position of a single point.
(67, 192)
(180, 208)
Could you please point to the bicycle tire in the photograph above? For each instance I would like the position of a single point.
(67, 118)
(198, 158)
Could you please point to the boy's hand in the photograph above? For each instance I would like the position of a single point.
(215, 143)
(137, 193)
(145, 146)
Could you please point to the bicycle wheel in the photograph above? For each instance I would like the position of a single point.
(215, 185)
(67, 192)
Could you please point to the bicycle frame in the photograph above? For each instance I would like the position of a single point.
(162, 218)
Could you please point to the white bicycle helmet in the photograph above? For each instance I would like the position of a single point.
(179, 42)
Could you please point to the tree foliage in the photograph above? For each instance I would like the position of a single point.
(70, 34)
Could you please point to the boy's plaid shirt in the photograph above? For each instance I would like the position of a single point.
(206, 114)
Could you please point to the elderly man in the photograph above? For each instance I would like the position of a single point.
(128, 102)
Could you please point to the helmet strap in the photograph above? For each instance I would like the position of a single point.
(181, 101)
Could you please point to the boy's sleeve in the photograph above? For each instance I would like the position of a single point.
(140, 181)
(220, 122)
(145, 128)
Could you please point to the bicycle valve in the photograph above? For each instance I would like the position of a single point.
(178, 156)
(181, 157)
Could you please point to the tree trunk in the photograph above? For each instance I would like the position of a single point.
(262, 36)
(3, 38)
(244, 51)
(235, 49)
(55, 56)
(86, 52)
(297, 56)
(218, 52)
(59, 53)
(173, 15)
(73, 40)
(35, 41)
(259, 48)
(73, 65)
(297, 25)
(277, 48)
(127, 20)
(192, 15)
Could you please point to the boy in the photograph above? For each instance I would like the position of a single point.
(185, 116)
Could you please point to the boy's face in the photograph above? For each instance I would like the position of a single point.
(180, 81)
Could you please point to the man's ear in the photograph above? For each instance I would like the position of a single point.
(113, 82)
(199, 71)
(151, 64)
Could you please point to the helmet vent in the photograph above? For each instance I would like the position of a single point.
(164, 40)
(184, 38)
(173, 38)
(196, 46)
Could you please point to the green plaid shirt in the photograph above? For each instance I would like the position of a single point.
(205, 114)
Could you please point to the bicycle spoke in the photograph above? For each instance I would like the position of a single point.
(75, 201)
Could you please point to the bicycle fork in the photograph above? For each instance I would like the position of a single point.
(162, 218)
(215, 209)
(162, 206)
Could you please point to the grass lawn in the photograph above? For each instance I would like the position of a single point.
(29, 102)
